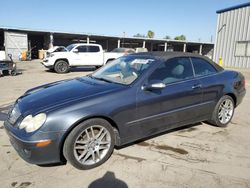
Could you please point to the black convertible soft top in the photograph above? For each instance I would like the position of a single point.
(164, 56)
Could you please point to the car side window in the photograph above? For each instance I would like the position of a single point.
(94, 49)
(82, 49)
(202, 67)
(173, 70)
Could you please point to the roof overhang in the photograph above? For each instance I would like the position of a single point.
(233, 8)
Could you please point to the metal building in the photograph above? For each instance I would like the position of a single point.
(232, 43)
(16, 40)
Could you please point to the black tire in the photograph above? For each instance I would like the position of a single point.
(13, 73)
(70, 142)
(215, 120)
(61, 66)
(97, 67)
(109, 61)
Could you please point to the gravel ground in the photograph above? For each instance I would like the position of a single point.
(194, 156)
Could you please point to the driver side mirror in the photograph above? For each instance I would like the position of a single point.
(75, 51)
(155, 85)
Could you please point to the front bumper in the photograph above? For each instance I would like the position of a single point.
(47, 63)
(26, 145)
(240, 95)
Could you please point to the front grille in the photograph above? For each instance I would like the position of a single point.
(14, 114)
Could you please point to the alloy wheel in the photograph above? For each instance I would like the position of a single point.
(226, 109)
(62, 67)
(92, 145)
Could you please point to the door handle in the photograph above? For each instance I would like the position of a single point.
(197, 86)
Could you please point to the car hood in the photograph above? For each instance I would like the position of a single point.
(53, 49)
(49, 96)
(61, 54)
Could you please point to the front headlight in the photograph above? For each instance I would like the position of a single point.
(31, 124)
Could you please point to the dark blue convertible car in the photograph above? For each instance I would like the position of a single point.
(134, 97)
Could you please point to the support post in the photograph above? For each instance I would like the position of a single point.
(184, 47)
(200, 51)
(87, 39)
(144, 44)
(51, 40)
(165, 46)
(118, 43)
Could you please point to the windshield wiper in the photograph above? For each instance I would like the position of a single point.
(102, 79)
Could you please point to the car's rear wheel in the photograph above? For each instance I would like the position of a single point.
(61, 67)
(223, 112)
(90, 144)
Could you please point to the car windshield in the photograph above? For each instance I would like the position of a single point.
(124, 70)
(60, 49)
(70, 47)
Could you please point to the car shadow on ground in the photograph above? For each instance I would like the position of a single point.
(76, 69)
(82, 69)
(108, 180)
(64, 162)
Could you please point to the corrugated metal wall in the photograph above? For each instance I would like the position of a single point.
(15, 43)
(232, 26)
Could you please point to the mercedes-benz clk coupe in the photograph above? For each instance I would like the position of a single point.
(136, 96)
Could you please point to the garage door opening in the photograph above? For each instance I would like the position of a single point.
(35, 43)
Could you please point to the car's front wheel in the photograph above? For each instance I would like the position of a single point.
(61, 66)
(223, 112)
(90, 144)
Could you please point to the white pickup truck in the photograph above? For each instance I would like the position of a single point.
(79, 54)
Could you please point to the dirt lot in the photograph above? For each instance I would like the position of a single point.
(197, 156)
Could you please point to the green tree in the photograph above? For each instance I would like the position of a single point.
(167, 37)
(150, 34)
(181, 37)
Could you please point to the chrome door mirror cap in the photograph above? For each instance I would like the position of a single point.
(154, 86)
